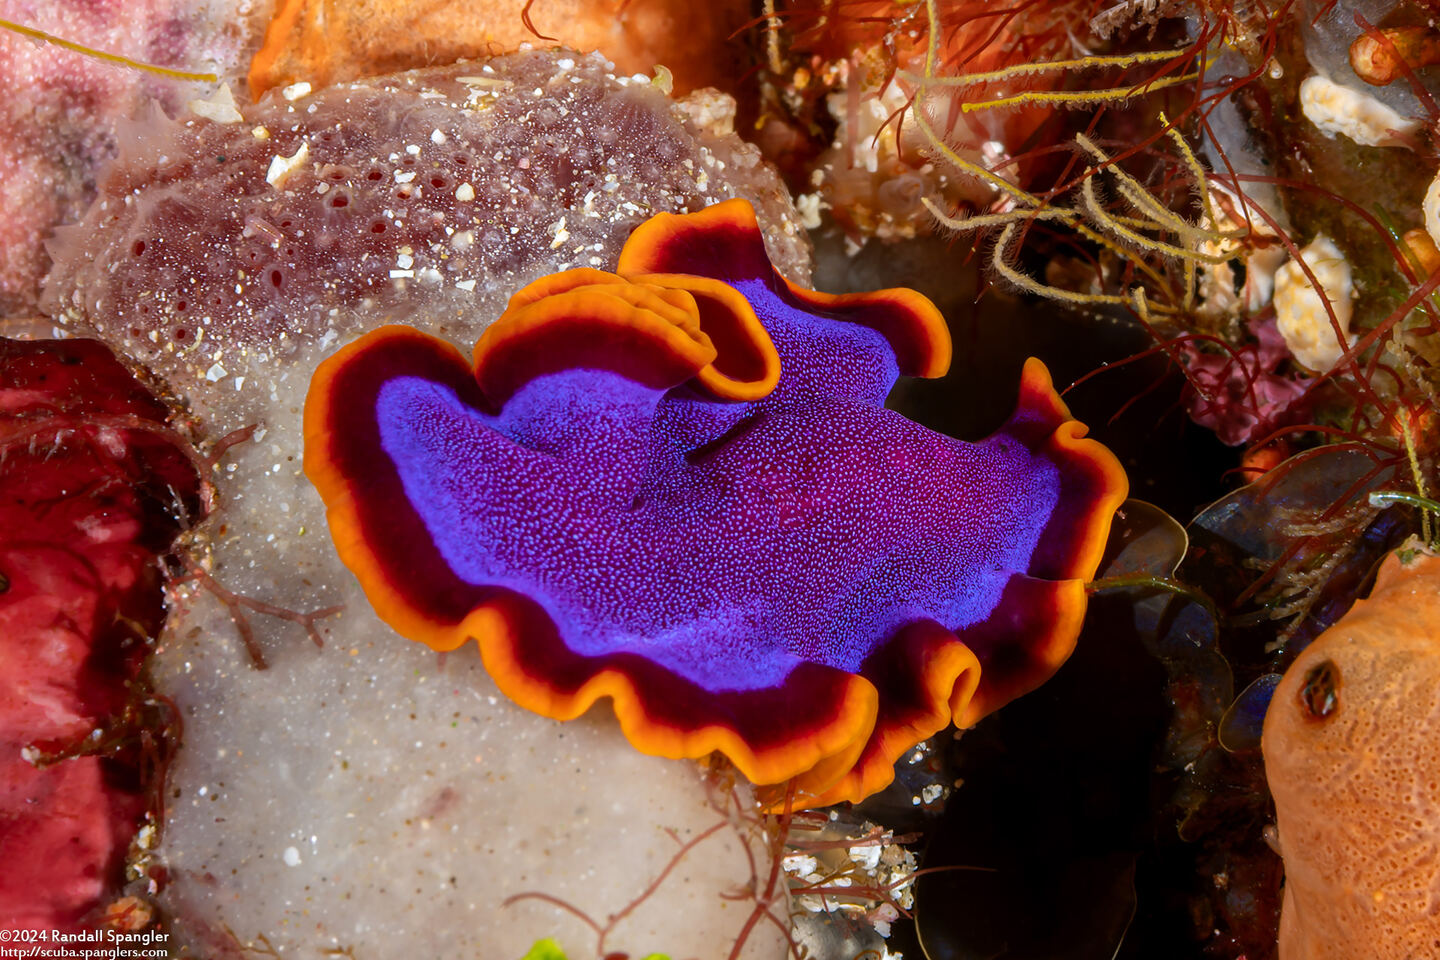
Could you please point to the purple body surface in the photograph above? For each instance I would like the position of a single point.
(804, 579)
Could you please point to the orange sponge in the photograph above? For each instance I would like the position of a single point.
(1351, 755)
(329, 41)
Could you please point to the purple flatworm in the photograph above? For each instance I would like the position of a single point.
(677, 486)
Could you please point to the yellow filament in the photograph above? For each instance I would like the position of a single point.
(1132, 190)
(1154, 215)
(983, 220)
(1026, 69)
(1071, 98)
(1098, 213)
(974, 169)
(997, 262)
(114, 58)
(1202, 185)
(1407, 430)
(1104, 241)
(1030, 285)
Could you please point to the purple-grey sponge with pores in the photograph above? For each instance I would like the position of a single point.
(419, 196)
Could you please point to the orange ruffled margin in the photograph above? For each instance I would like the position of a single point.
(660, 324)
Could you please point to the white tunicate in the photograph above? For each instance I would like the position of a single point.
(1335, 108)
(1431, 207)
(1300, 314)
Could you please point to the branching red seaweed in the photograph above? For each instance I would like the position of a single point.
(738, 815)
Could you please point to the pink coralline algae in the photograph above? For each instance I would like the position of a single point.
(91, 485)
(1237, 393)
(64, 111)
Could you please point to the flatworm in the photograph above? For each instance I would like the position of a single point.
(677, 486)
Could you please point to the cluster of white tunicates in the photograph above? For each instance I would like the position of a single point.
(1314, 317)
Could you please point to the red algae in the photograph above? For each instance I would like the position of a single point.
(92, 491)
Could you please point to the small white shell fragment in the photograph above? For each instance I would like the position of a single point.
(282, 167)
(482, 82)
(810, 205)
(219, 106)
(292, 857)
(296, 90)
(1301, 316)
(1334, 108)
(1431, 206)
(866, 857)
(800, 864)
(561, 234)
